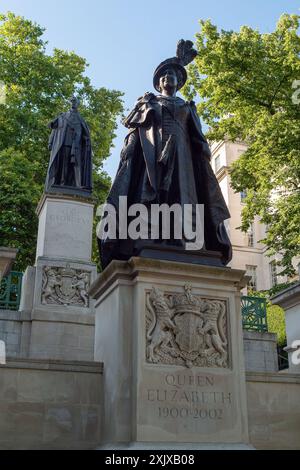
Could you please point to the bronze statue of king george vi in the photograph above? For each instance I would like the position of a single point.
(70, 166)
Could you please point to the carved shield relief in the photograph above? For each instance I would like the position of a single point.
(66, 290)
(185, 329)
(186, 337)
(65, 286)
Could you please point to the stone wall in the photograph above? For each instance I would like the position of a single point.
(50, 404)
(10, 331)
(44, 335)
(274, 410)
(260, 351)
(68, 337)
(71, 337)
(59, 405)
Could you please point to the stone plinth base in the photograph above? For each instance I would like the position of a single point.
(65, 227)
(61, 314)
(170, 337)
(55, 290)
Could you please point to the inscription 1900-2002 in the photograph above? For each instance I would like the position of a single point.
(182, 397)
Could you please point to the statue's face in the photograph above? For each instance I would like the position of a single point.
(74, 102)
(168, 79)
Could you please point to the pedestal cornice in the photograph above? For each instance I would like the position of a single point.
(146, 267)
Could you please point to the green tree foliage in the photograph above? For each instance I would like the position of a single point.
(244, 81)
(37, 88)
(18, 199)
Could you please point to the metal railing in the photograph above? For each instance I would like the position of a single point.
(10, 291)
(283, 358)
(254, 313)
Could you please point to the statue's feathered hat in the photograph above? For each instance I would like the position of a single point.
(184, 55)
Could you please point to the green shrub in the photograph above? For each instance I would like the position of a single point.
(276, 322)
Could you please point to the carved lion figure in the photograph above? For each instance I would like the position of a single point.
(159, 333)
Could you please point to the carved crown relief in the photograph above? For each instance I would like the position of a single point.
(65, 286)
(184, 329)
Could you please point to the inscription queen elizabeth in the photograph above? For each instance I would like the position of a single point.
(184, 329)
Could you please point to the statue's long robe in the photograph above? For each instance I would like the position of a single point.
(138, 174)
(83, 154)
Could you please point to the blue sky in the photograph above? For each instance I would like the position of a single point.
(123, 41)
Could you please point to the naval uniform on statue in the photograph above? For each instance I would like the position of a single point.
(166, 159)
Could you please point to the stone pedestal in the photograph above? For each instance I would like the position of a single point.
(55, 290)
(289, 300)
(65, 228)
(260, 349)
(170, 337)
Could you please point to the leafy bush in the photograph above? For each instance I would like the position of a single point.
(276, 323)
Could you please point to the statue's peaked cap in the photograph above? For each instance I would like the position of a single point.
(184, 55)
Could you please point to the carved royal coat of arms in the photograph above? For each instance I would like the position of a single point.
(184, 329)
(65, 286)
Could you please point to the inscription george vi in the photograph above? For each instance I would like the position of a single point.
(70, 216)
(184, 329)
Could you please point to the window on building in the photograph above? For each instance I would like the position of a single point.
(217, 163)
(243, 195)
(250, 235)
(273, 273)
(251, 271)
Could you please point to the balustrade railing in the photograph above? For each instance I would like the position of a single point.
(10, 291)
(254, 313)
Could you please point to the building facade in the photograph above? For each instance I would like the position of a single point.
(248, 252)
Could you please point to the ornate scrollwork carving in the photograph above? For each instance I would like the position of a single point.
(65, 286)
(184, 329)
